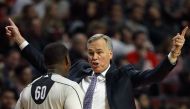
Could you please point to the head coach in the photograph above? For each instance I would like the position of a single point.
(105, 85)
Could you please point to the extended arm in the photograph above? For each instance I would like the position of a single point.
(157, 74)
(29, 53)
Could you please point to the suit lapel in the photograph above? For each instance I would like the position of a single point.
(109, 76)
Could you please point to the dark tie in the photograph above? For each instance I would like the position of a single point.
(89, 93)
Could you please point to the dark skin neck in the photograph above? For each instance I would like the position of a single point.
(57, 70)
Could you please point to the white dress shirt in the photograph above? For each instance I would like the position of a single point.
(100, 96)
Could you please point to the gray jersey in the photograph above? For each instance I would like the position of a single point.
(51, 92)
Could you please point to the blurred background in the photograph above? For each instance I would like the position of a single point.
(141, 31)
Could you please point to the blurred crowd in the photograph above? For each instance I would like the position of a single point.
(141, 31)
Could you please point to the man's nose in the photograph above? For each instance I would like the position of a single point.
(95, 56)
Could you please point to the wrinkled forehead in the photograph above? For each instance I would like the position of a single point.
(97, 44)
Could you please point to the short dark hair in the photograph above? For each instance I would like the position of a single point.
(55, 53)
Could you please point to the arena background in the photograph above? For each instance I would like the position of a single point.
(141, 30)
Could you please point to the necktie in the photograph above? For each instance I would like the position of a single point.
(89, 93)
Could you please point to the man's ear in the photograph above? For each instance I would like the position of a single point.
(111, 54)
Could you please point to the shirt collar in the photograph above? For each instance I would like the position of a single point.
(104, 72)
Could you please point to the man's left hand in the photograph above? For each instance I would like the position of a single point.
(177, 43)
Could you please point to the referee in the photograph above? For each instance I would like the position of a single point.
(53, 90)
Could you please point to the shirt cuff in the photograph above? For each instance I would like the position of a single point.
(23, 45)
(172, 60)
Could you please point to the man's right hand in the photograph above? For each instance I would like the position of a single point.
(13, 33)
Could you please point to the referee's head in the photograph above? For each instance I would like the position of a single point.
(57, 58)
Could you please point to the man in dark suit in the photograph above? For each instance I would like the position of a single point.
(105, 85)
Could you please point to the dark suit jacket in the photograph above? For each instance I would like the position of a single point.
(119, 81)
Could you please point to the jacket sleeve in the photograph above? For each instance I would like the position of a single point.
(78, 70)
(148, 76)
(35, 58)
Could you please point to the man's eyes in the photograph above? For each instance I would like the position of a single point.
(90, 53)
(99, 52)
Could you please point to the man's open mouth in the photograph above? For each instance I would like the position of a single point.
(95, 64)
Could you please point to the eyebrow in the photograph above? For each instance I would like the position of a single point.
(99, 50)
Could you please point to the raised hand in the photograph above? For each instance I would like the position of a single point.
(178, 42)
(13, 33)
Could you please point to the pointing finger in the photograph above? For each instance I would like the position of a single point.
(184, 31)
(11, 22)
(177, 36)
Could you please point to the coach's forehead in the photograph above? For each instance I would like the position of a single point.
(97, 44)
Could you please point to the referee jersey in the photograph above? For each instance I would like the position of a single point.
(51, 91)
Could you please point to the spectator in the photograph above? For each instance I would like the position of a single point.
(171, 10)
(116, 18)
(135, 19)
(78, 48)
(8, 98)
(19, 5)
(35, 34)
(92, 12)
(28, 13)
(96, 27)
(4, 43)
(24, 77)
(120, 48)
(39, 6)
(52, 24)
(11, 62)
(126, 35)
(143, 57)
(158, 30)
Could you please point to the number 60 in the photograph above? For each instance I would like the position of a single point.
(40, 92)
